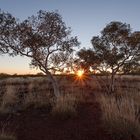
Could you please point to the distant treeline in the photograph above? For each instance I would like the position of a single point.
(6, 75)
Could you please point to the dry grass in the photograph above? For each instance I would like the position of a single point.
(121, 111)
(5, 133)
(9, 99)
(121, 115)
(22, 93)
(6, 136)
(65, 106)
(36, 101)
(25, 93)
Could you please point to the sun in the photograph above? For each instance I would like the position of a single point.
(80, 73)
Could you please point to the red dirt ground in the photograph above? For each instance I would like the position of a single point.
(40, 125)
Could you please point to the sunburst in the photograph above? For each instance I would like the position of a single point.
(80, 73)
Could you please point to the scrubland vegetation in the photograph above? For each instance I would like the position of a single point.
(5, 133)
(120, 110)
(86, 106)
(22, 93)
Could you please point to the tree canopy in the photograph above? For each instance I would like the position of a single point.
(113, 49)
(116, 46)
(87, 59)
(44, 38)
(47, 41)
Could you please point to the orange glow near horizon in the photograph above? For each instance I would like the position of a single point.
(80, 73)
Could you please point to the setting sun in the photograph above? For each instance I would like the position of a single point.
(80, 73)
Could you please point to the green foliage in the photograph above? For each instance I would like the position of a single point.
(131, 68)
(116, 47)
(43, 37)
(87, 59)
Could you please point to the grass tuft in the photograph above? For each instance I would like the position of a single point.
(65, 107)
(5, 133)
(120, 116)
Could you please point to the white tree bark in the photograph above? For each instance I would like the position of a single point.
(112, 83)
(54, 84)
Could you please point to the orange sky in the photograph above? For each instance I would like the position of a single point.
(86, 18)
(19, 65)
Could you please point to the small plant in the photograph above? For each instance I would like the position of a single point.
(9, 99)
(64, 107)
(120, 116)
(5, 133)
(35, 99)
(6, 136)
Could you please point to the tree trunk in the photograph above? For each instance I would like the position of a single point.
(54, 83)
(112, 86)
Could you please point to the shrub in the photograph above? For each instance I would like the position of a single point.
(64, 107)
(36, 99)
(9, 99)
(5, 136)
(120, 116)
(5, 133)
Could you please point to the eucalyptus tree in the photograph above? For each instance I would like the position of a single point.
(87, 60)
(117, 46)
(44, 38)
(113, 49)
(131, 68)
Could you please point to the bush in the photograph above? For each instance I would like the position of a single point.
(7, 137)
(9, 99)
(36, 99)
(120, 116)
(5, 133)
(64, 107)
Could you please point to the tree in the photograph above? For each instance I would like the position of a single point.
(131, 68)
(44, 38)
(116, 46)
(87, 59)
(7, 23)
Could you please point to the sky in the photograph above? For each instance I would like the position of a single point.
(85, 17)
